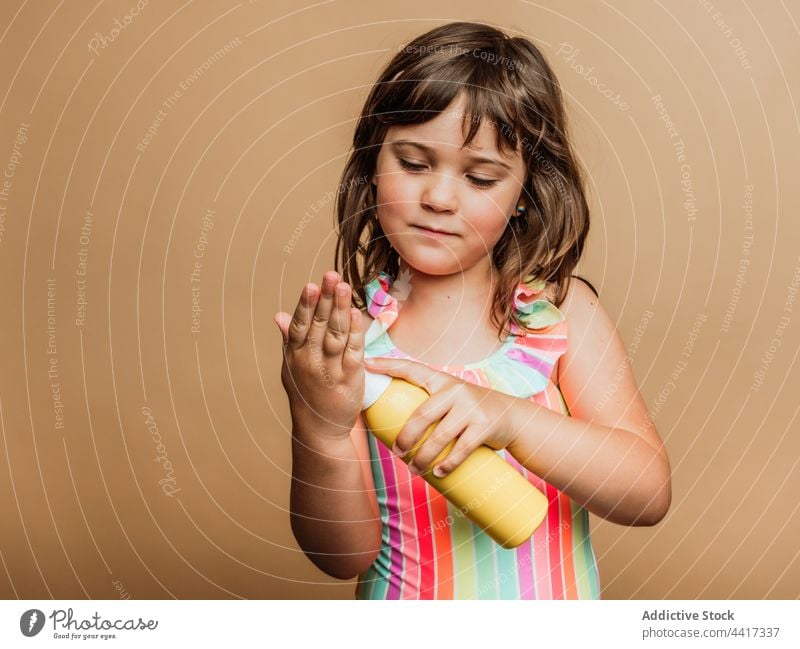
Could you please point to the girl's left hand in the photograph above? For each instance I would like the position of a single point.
(473, 414)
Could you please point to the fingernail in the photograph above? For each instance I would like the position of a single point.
(439, 472)
(342, 290)
(413, 469)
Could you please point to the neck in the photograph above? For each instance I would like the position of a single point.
(466, 295)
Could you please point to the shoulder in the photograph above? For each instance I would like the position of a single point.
(582, 311)
(580, 298)
(595, 374)
(550, 291)
(592, 333)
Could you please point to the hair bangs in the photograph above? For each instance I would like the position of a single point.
(418, 94)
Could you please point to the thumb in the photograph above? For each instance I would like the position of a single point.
(282, 320)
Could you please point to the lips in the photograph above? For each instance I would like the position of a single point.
(434, 230)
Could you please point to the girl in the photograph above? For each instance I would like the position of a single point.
(461, 218)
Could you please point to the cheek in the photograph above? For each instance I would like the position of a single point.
(487, 219)
(395, 196)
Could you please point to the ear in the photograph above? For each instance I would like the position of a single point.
(520, 201)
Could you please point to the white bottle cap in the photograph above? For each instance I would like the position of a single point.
(374, 386)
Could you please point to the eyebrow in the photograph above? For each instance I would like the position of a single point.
(430, 149)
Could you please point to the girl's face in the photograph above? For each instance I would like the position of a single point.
(425, 182)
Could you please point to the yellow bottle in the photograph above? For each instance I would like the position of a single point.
(486, 488)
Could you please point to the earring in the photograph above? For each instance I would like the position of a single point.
(521, 210)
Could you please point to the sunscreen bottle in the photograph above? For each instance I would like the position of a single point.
(486, 488)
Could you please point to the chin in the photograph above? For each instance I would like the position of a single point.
(431, 264)
(424, 258)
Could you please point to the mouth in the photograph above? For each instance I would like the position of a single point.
(432, 232)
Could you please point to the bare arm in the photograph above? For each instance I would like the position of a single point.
(333, 509)
(610, 471)
(607, 455)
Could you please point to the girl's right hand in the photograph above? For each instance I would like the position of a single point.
(323, 372)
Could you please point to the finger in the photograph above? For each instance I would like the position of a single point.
(438, 445)
(466, 444)
(338, 323)
(412, 371)
(297, 329)
(353, 356)
(416, 431)
(319, 321)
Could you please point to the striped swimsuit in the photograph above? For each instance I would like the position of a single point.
(430, 550)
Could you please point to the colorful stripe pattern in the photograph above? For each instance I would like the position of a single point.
(430, 550)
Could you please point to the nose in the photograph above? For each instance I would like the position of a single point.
(440, 193)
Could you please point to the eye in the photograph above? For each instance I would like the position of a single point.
(478, 182)
(410, 165)
(482, 182)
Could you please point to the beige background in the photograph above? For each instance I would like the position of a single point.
(259, 135)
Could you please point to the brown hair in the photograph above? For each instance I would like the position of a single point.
(508, 83)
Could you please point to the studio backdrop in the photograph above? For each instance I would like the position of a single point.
(169, 172)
